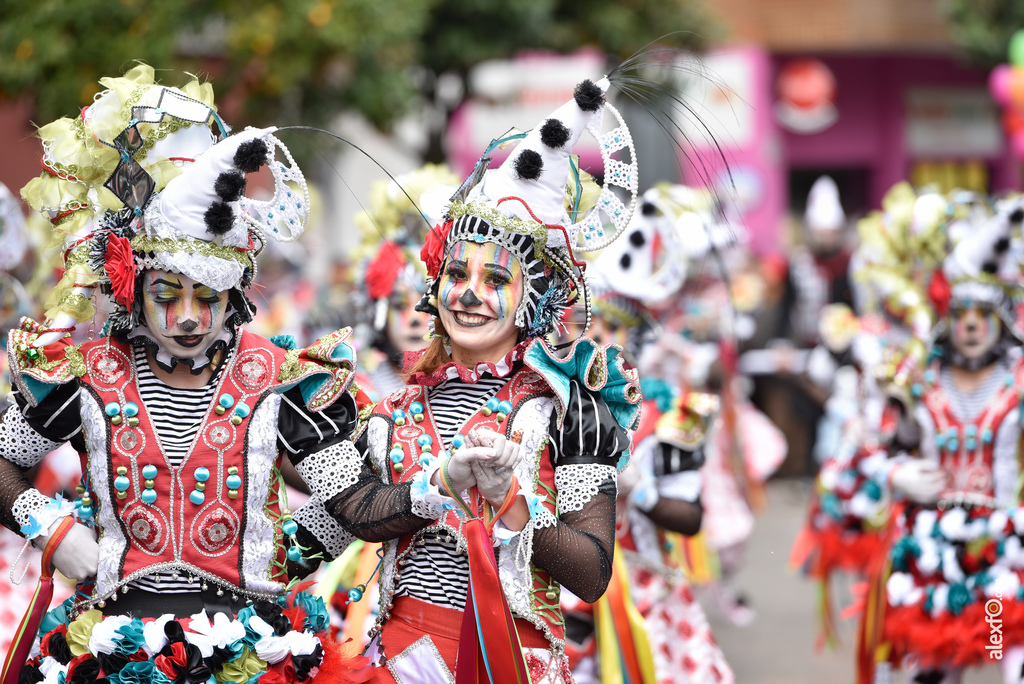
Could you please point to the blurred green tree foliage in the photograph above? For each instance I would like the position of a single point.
(302, 61)
(982, 28)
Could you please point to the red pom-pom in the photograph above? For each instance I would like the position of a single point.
(119, 264)
(940, 293)
(382, 271)
(432, 253)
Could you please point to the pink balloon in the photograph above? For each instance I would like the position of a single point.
(999, 84)
(1017, 145)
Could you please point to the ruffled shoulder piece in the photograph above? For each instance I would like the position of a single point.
(687, 423)
(453, 369)
(36, 371)
(323, 371)
(599, 369)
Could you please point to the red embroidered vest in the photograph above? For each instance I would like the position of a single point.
(966, 449)
(192, 518)
(522, 386)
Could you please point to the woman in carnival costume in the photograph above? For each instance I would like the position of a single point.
(649, 627)
(955, 566)
(496, 434)
(181, 538)
(898, 281)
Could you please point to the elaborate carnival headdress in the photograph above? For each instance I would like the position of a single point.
(147, 177)
(982, 269)
(522, 206)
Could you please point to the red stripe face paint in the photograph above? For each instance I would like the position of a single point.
(480, 290)
(183, 316)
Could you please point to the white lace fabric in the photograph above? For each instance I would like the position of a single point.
(325, 528)
(578, 483)
(331, 470)
(19, 442)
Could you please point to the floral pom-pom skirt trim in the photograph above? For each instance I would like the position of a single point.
(280, 642)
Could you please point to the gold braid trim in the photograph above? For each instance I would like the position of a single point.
(513, 224)
(148, 244)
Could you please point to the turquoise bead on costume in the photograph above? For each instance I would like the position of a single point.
(971, 430)
(290, 527)
(131, 409)
(85, 512)
(458, 441)
(970, 443)
(148, 496)
(122, 483)
(233, 482)
(424, 440)
(953, 444)
(202, 474)
(112, 409)
(242, 410)
(986, 436)
(355, 594)
(929, 376)
(505, 407)
(397, 456)
(226, 400)
(197, 497)
(149, 472)
(294, 554)
(415, 407)
(940, 440)
(916, 390)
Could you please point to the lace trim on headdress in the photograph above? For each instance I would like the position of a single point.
(453, 369)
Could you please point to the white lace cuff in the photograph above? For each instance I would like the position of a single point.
(578, 483)
(314, 517)
(19, 442)
(427, 500)
(35, 513)
(331, 470)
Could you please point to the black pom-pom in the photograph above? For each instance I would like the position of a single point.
(648, 209)
(1002, 244)
(989, 267)
(625, 261)
(251, 155)
(1017, 215)
(229, 186)
(637, 239)
(588, 96)
(529, 165)
(219, 218)
(553, 133)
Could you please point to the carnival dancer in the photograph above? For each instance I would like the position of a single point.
(492, 411)
(181, 537)
(955, 567)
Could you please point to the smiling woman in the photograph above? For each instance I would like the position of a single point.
(480, 291)
(499, 452)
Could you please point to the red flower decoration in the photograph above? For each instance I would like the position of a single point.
(75, 662)
(119, 264)
(382, 271)
(274, 676)
(432, 253)
(174, 664)
(940, 293)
